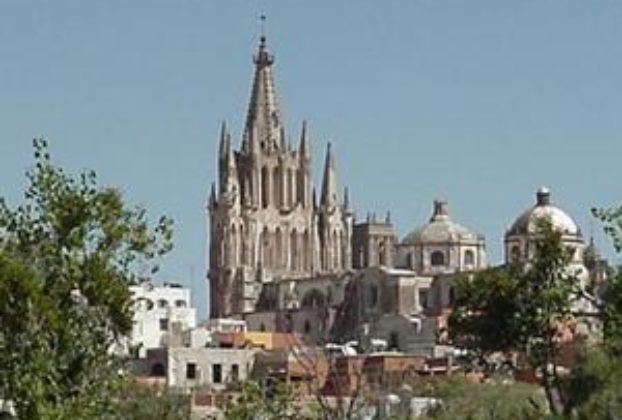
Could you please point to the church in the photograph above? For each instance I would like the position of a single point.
(266, 223)
(283, 259)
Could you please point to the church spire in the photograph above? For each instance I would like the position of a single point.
(226, 163)
(223, 139)
(328, 198)
(264, 126)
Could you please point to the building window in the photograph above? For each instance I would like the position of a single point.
(452, 296)
(437, 258)
(373, 295)
(262, 327)
(469, 258)
(393, 341)
(157, 369)
(265, 192)
(423, 299)
(191, 370)
(164, 324)
(162, 303)
(180, 303)
(217, 373)
(382, 258)
(235, 373)
(515, 254)
(307, 327)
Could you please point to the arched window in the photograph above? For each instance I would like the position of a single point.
(276, 186)
(515, 254)
(265, 189)
(300, 187)
(234, 245)
(382, 258)
(180, 303)
(335, 262)
(162, 303)
(291, 188)
(469, 258)
(437, 258)
(265, 247)
(293, 246)
(306, 258)
(279, 248)
(243, 247)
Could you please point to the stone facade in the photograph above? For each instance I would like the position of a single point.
(265, 223)
(373, 243)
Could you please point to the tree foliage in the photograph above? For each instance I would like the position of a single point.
(521, 308)
(257, 401)
(464, 399)
(140, 402)
(612, 223)
(67, 256)
(594, 388)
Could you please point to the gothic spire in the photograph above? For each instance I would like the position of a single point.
(304, 146)
(264, 126)
(212, 196)
(223, 139)
(227, 165)
(328, 198)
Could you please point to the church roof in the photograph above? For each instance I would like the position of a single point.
(526, 222)
(440, 229)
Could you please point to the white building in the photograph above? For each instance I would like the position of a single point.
(158, 312)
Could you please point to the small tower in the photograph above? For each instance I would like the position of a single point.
(373, 243)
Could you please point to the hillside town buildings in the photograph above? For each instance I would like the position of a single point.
(301, 292)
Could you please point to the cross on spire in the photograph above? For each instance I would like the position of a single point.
(262, 27)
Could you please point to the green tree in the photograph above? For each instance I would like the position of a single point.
(594, 389)
(140, 402)
(463, 399)
(67, 256)
(520, 309)
(257, 401)
(595, 386)
(611, 219)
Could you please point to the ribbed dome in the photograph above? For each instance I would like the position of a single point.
(440, 229)
(526, 222)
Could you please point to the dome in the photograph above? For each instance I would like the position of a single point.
(440, 229)
(526, 222)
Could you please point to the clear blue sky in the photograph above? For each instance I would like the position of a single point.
(479, 102)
